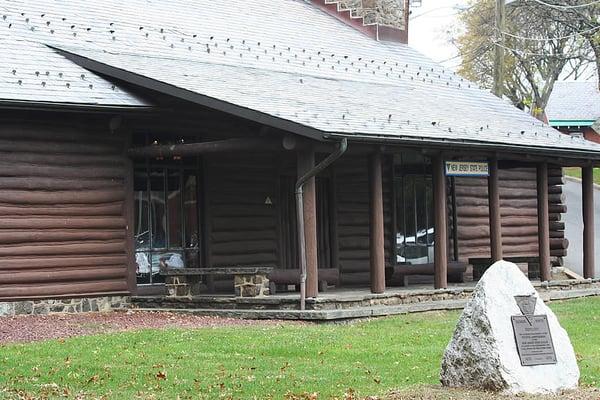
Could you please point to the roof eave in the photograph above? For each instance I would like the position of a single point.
(571, 122)
(448, 144)
(72, 107)
(188, 95)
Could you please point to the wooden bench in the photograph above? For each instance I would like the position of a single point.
(248, 281)
(480, 264)
(327, 276)
(456, 271)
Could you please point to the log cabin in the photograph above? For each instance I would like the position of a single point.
(195, 143)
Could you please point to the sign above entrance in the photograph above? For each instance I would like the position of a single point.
(467, 168)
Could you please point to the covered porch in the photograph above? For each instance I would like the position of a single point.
(381, 217)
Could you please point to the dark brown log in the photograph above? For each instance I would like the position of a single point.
(472, 201)
(556, 198)
(306, 161)
(543, 223)
(61, 197)
(65, 160)
(559, 243)
(50, 147)
(377, 237)
(558, 252)
(507, 221)
(108, 210)
(234, 236)
(71, 289)
(441, 218)
(483, 211)
(557, 226)
(554, 189)
(247, 246)
(89, 260)
(57, 235)
(44, 133)
(494, 212)
(482, 231)
(43, 170)
(266, 259)
(63, 223)
(554, 217)
(35, 183)
(587, 188)
(557, 208)
(517, 193)
(195, 149)
(66, 275)
(507, 241)
(70, 248)
(556, 180)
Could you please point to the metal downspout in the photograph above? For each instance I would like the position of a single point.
(343, 146)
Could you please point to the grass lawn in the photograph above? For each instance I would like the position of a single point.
(365, 358)
(576, 172)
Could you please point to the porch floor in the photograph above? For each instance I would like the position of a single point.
(349, 302)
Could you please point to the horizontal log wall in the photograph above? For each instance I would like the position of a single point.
(518, 202)
(353, 216)
(62, 216)
(243, 229)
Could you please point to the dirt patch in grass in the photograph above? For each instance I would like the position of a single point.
(30, 328)
(439, 393)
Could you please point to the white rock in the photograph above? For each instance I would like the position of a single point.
(483, 354)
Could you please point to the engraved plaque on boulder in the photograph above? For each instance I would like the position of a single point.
(534, 341)
(532, 334)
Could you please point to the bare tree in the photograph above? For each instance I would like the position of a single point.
(538, 51)
(580, 17)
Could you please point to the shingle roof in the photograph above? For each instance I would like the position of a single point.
(285, 60)
(574, 101)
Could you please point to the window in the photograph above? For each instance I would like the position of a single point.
(414, 216)
(166, 219)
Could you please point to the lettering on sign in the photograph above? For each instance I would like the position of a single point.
(534, 341)
(467, 168)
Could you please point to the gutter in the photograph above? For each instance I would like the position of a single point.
(330, 159)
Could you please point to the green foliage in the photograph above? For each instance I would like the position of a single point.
(279, 362)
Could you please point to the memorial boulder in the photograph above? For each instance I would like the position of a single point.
(508, 340)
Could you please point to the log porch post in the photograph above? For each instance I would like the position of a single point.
(543, 222)
(587, 191)
(377, 247)
(494, 205)
(441, 220)
(306, 161)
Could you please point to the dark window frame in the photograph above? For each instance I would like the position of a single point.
(182, 169)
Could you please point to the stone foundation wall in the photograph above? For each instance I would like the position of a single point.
(251, 285)
(71, 306)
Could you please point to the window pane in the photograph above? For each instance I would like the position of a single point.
(174, 208)
(142, 261)
(409, 209)
(191, 210)
(400, 233)
(157, 209)
(141, 228)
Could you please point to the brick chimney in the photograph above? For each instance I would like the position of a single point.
(385, 20)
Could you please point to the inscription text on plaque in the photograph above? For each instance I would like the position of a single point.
(534, 342)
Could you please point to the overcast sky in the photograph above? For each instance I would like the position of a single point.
(429, 25)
